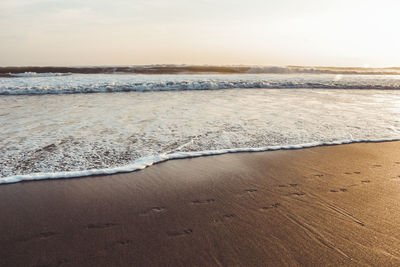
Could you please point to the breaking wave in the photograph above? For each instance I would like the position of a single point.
(60, 83)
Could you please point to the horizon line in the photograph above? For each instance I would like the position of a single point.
(199, 65)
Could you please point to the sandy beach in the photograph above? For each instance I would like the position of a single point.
(322, 206)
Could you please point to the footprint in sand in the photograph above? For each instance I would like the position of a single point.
(357, 172)
(251, 190)
(397, 162)
(124, 242)
(42, 235)
(365, 181)
(203, 201)
(377, 165)
(157, 209)
(318, 175)
(273, 206)
(283, 185)
(100, 225)
(153, 210)
(348, 173)
(224, 218)
(62, 261)
(46, 234)
(337, 190)
(298, 194)
(181, 233)
(59, 262)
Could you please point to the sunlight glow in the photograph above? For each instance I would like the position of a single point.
(288, 32)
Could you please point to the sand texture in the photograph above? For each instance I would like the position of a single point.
(323, 206)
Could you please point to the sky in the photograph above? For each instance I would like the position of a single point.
(217, 32)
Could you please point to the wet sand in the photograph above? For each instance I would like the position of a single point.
(332, 205)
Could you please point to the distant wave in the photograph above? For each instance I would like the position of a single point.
(35, 74)
(192, 69)
(325, 70)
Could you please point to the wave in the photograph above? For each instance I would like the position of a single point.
(325, 70)
(35, 74)
(196, 69)
(188, 85)
(149, 161)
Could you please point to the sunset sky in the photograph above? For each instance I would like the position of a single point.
(127, 32)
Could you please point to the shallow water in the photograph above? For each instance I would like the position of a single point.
(78, 132)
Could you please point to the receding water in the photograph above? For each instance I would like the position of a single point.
(77, 132)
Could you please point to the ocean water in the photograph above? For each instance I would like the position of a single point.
(68, 125)
(67, 83)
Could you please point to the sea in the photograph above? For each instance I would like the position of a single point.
(73, 122)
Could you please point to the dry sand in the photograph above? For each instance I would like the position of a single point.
(335, 205)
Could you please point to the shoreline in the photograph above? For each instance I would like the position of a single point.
(144, 163)
(326, 205)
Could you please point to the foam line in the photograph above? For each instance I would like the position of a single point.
(64, 83)
(148, 161)
(184, 86)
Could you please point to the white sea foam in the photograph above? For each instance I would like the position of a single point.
(108, 83)
(149, 161)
